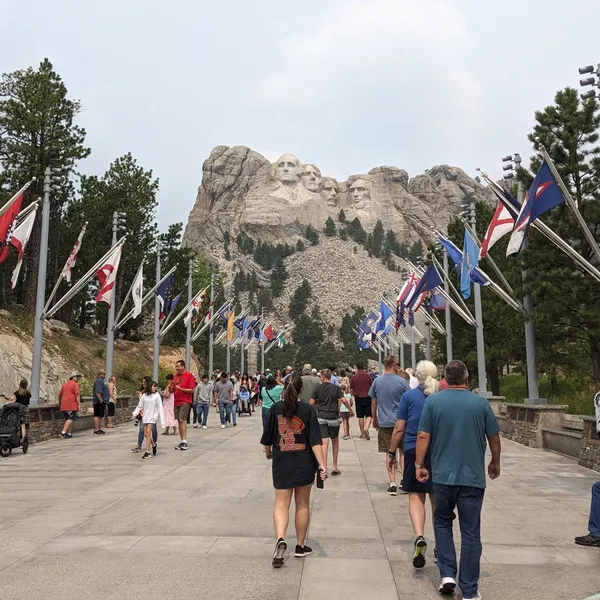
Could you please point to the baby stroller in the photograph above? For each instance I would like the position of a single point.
(10, 429)
(244, 404)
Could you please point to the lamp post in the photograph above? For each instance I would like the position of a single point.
(512, 163)
(118, 224)
(589, 70)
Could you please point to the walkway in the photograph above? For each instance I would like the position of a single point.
(86, 519)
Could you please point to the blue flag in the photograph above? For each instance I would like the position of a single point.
(165, 296)
(175, 302)
(384, 314)
(430, 280)
(543, 195)
(477, 276)
(411, 318)
(468, 265)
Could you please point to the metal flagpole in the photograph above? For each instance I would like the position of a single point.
(263, 342)
(428, 341)
(447, 312)
(242, 352)
(413, 349)
(127, 296)
(188, 329)
(211, 335)
(156, 356)
(401, 353)
(228, 362)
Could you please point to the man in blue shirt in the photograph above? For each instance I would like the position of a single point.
(456, 423)
(100, 398)
(385, 394)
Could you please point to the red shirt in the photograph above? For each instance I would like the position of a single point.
(361, 384)
(443, 384)
(187, 382)
(68, 396)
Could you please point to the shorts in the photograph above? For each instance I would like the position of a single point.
(363, 408)
(182, 412)
(111, 409)
(329, 431)
(99, 409)
(69, 415)
(410, 485)
(344, 416)
(384, 438)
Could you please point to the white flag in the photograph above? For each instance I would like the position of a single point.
(19, 240)
(194, 307)
(72, 258)
(107, 275)
(137, 292)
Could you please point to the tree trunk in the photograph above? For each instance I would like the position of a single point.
(595, 355)
(494, 380)
(553, 381)
(82, 314)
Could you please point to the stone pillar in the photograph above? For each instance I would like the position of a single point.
(253, 359)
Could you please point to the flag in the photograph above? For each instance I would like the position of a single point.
(502, 223)
(388, 328)
(437, 301)
(269, 333)
(165, 296)
(107, 275)
(543, 195)
(281, 340)
(429, 281)
(72, 258)
(230, 325)
(175, 302)
(469, 263)
(194, 309)
(7, 223)
(411, 318)
(371, 321)
(477, 275)
(19, 240)
(209, 313)
(137, 290)
(384, 314)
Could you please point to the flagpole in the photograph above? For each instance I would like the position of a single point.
(401, 348)
(127, 296)
(211, 335)
(569, 200)
(242, 352)
(413, 349)
(447, 312)
(202, 329)
(156, 355)
(263, 341)
(24, 188)
(170, 321)
(228, 358)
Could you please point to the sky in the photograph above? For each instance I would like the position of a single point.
(345, 84)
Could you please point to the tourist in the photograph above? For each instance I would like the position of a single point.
(99, 401)
(456, 423)
(168, 396)
(309, 382)
(150, 408)
(593, 536)
(327, 400)
(202, 398)
(385, 394)
(112, 402)
(270, 394)
(146, 380)
(236, 399)
(245, 400)
(185, 384)
(360, 384)
(22, 395)
(334, 376)
(405, 432)
(223, 395)
(343, 379)
(70, 398)
(413, 381)
(346, 413)
(292, 438)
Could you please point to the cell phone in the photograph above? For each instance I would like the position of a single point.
(320, 482)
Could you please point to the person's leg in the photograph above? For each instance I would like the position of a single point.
(416, 511)
(302, 501)
(96, 423)
(204, 414)
(361, 426)
(335, 448)
(594, 522)
(154, 433)
(67, 425)
(182, 430)
(346, 423)
(148, 436)
(325, 451)
(228, 412)
(140, 435)
(445, 498)
(281, 512)
(469, 502)
(222, 412)
(391, 471)
(234, 408)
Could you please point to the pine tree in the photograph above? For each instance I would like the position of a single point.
(299, 245)
(342, 216)
(377, 239)
(300, 299)
(312, 236)
(329, 230)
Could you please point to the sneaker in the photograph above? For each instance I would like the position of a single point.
(588, 540)
(195, 425)
(96, 431)
(447, 586)
(362, 435)
(392, 490)
(68, 435)
(367, 435)
(227, 425)
(435, 555)
(419, 554)
(154, 449)
(63, 435)
(302, 551)
(136, 449)
(101, 431)
(478, 597)
(235, 424)
(222, 426)
(183, 446)
(146, 455)
(204, 427)
(280, 548)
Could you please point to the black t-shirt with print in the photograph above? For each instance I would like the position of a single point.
(294, 463)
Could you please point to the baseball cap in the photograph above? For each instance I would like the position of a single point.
(314, 371)
(75, 374)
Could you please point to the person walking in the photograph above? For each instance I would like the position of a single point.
(455, 423)
(99, 401)
(185, 384)
(593, 536)
(360, 384)
(405, 431)
(309, 382)
(202, 398)
(327, 400)
(292, 439)
(346, 413)
(270, 394)
(70, 399)
(223, 394)
(112, 402)
(413, 381)
(150, 408)
(168, 400)
(385, 393)
(146, 380)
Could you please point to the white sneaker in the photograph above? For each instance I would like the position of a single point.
(447, 586)
(222, 426)
(227, 425)
(204, 427)
(195, 425)
(478, 597)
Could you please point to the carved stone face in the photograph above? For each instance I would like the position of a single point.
(329, 191)
(287, 169)
(360, 194)
(311, 178)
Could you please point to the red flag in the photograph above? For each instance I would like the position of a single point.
(7, 224)
(269, 333)
(107, 275)
(72, 258)
(502, 223)
(19, 240)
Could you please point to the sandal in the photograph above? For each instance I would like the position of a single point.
(336, 472)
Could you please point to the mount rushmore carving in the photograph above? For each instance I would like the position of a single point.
(242, 190)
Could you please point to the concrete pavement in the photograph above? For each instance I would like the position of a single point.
(87, 519)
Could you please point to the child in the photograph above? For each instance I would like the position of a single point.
(244, 399)
(169, 407)
(346, 413)
(151, 406)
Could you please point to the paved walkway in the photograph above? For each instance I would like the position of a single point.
(86, 519)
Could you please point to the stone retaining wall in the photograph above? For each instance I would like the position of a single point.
(46, 421)
(589, 454)
(524, 423)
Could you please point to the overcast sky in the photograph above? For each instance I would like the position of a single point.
(345, 84)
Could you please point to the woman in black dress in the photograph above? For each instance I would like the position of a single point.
(292, 438)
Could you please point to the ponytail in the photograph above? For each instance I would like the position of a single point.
(431, 386)
(290, 396)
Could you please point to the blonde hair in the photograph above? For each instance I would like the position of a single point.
(426, 373)
(344, 387)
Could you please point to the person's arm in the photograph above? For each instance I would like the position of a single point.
(495, 448)
(231, 394)
(397, 435)
(161, 412)
(423, 440)
(98, 394)
(138, 408)
(185, 390)
(313, 435)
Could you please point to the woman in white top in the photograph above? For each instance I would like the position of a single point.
(151, 408)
